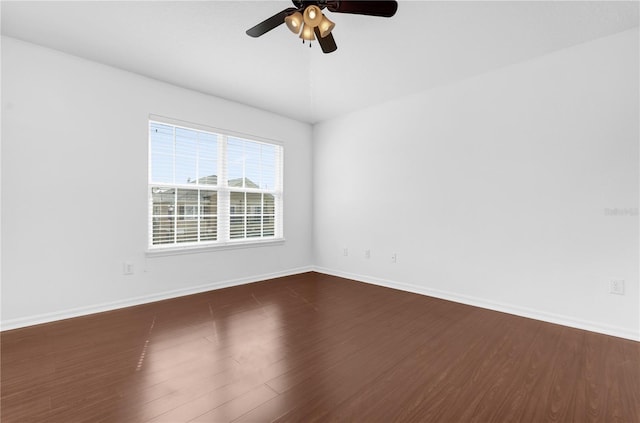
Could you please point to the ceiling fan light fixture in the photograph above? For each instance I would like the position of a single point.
(307, 20)
(307, 33)
(325, 26)
(294, 22)
(312, 16)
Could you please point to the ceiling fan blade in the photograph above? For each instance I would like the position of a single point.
(327, 44)
(382, 8)
(268, 24)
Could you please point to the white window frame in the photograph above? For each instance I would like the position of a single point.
(223, 190)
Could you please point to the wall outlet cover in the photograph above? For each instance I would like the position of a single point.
(616, 287)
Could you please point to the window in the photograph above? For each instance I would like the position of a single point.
(211, 188)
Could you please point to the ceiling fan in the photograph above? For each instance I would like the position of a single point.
(307, 19)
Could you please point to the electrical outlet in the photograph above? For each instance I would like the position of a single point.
(616, 287)
(394, 258)
(367, 254)
(345, 251)
(127, 268)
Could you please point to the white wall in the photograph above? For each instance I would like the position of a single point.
(74, 188)
(493, 191)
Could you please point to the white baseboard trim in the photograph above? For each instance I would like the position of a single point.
(114, 305)
(490, 305)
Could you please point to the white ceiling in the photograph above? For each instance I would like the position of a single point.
(202, 45)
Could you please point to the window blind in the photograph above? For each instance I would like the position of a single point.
(212, 188)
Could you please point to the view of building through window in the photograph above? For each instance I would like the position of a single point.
(211, 188)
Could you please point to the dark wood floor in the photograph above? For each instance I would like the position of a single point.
(315, 348)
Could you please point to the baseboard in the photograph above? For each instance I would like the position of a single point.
(490, 305)
(473, 301)
(99, 308)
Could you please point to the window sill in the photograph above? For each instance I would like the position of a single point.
(195, 249)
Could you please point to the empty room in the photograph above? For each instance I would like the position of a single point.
(320, 211)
